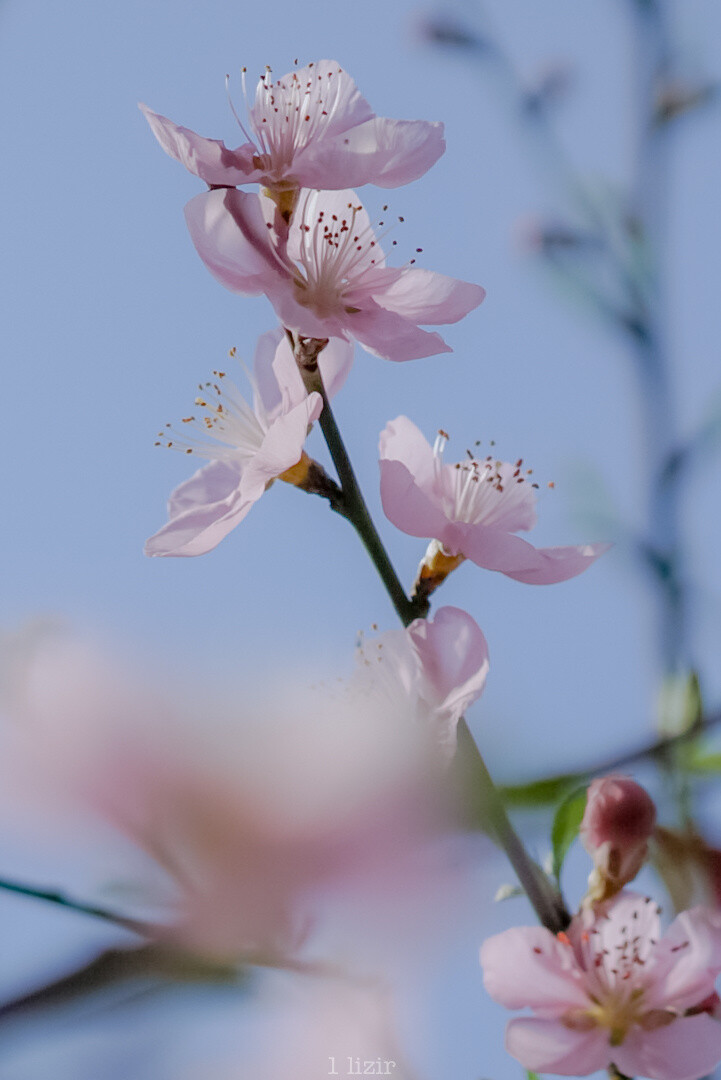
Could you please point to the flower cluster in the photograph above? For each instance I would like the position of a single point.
(608, 991)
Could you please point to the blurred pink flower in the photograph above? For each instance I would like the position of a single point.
(436, 669)
(250, 820)
(330, 279)
(471, 508)
(612, 990)
(253, 445)
(618, 822)
(311, 129)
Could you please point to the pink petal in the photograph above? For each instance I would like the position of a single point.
(203, 525)
(276, 372)
(387, 153)
(271, 376)
(559, 564)
(683, 1050)
(281, 448)
(454, 655)
(213, 482)
(335, 363)
(527, 966)
(548, 1046)
(229, 232)
(402, 441)
(687, 960)
(495, 549)
(426, 297)
(392, 337)
(210, 159)
(406, 505)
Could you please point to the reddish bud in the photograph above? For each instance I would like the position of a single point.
(618, 822)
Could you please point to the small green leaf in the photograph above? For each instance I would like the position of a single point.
(539, 792)
(532, 1075)
(566, 824)
(703, 761)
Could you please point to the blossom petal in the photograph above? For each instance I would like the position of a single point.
(401, 440)
(548, 1046)
(335, 363)
(392, 337)
(384, 152)
(281, 448)
(527, 966)
(683, 1050)
(688, 959)
(424, 296)
(559, 564)
(212, 483)
(210, 159)
(203, 525)
(276, 371)
(407, 505)
(454, 656)
(229, 232)
(495, 549)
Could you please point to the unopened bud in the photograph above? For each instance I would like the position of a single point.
(618, 822)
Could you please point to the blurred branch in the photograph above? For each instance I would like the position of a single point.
(114, 966)
(62, 900)
(550, 788)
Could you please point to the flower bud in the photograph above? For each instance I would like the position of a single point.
(619, 819)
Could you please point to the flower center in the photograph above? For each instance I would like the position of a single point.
(287, 115)
(334, 250)
(237, 430)
(478, 491)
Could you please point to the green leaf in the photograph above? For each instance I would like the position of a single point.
(539, 792)
(532, 1075)
(566, 824)
(702, 761)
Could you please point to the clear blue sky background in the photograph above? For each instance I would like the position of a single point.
(109, 321)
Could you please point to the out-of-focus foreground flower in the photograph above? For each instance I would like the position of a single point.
(612, 990)
(250, 816)
(471, 509)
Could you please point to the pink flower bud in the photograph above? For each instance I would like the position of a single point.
(619, 819)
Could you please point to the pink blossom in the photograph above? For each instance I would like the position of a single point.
(612, 990)
(311, 128)
(618, 822)
(432, 671)
(471, 508)
(252, 445)
(330, 279)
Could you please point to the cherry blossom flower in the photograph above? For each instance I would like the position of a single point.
(618, 822)
(471, 509)
(612, 990)
(310, 129)
(252, 445)
(330, 279)
(434, 669)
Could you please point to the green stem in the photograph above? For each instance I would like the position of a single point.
(489, 807)
(356, 511)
